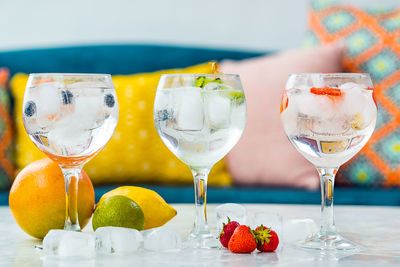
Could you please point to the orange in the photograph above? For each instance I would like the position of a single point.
(38, 202)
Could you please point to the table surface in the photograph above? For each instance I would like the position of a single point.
(375, 228)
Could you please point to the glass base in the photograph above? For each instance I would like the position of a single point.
(329, 242)
(72, 227)
(205, 240)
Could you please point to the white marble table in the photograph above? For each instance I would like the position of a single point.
(376, 228)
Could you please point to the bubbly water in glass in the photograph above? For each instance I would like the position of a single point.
(329, 130)
(70, 123)
(200, 125)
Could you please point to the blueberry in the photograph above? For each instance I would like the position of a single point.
(163, 115)
(109, 100)
(30, 109)
(67, 97)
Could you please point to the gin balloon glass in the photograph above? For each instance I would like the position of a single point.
(328, 118)
(200, 118)
(70, 117)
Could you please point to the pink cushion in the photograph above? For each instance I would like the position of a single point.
(264, 155)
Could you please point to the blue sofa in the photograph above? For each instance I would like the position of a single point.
(129, 59)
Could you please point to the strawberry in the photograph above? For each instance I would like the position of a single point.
(284, 101)
(242, 240)
(227, 232)
(267, 239)
(326, 91)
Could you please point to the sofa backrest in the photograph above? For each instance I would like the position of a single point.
(112, 59)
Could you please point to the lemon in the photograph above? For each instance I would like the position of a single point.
(118, 211)
(156, 211)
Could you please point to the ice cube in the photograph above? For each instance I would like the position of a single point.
(163, 99)
(189, 109)
(67, 262)
(295, 230)
(348, 86)
(354, 100)
(163, 238)
(69, 244)
(47, 98)
(117, 240)
(89, 111)
(315, 113)
(218, 110)
(216, 86)
(359, 106)
(89, 85)
(334, 126)
(268, 219)
(235, 212)
(65, 139)
(311, 105)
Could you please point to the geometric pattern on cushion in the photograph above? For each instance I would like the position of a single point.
(6, 133)
(372, 41)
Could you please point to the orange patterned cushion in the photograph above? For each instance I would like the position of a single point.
(372, 39)
(6, 133)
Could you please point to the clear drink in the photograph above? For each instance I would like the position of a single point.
(72, 122)
(70, 117)
(200, 117)
(328, 118)
(328, 130)
(200, 126)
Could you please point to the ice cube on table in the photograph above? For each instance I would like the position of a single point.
(117, 240)
(218, 109)
(162, 238)
(235, 212)
(67, 262)
(295, 230)
(64, 243)
(189, 109)
(268, 219)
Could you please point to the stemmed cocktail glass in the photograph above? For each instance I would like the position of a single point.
(70, 117)
(328, 118)
(200, 118)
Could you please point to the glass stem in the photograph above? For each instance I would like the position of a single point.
(327, 176)
(200, 188)
(71, 177)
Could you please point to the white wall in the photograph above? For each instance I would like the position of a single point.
(237, 24)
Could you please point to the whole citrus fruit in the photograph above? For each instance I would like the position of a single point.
(156, 211)
(38, 202)
(118, 211)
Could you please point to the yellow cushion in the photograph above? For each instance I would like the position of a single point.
(135, 153)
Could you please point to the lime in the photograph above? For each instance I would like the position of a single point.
(202, 81)
(156, 211)
(236, 97)
(118, 211)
